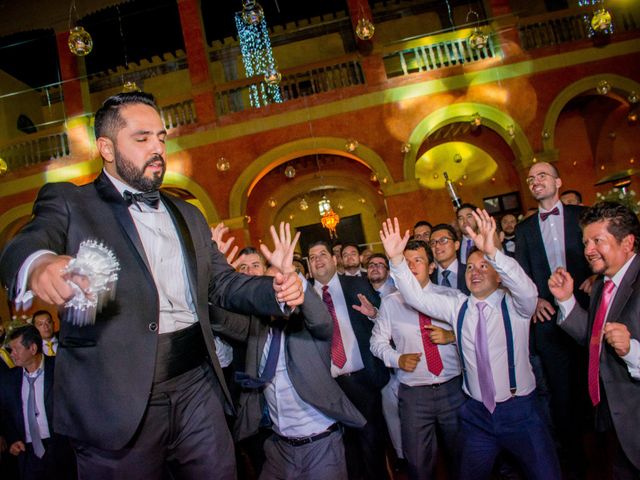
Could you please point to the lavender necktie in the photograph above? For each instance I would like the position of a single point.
(485, 376)
(32, 417)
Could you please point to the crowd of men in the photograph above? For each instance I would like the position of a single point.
(457, 353)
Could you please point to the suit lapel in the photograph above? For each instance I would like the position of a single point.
(112, 197)
(624, 292)
(538, 243)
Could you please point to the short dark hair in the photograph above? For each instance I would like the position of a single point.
(251, 251)
(448, 228)
(381, 256)
(41, 312)
(466, 205)
(322, 243)
(28, 335)
(414, 245)
(621, 221)
(423, 223)
(574, 192)
(350, 244)
(108, 120)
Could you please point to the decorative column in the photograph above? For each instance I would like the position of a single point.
(198, 58)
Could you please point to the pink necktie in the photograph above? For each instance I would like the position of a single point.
(596, 342)
(338, 355)
(432, 355)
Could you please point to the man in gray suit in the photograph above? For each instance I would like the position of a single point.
(287, 371)
(611, 326)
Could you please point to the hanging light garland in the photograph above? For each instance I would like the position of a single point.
(257, 55)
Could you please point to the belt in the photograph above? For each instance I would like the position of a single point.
(438, 385)
(299, 441)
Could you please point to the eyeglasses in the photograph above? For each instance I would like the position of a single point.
(540, 177)
(440, 241)
(376, 265)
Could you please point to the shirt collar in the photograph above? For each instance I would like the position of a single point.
(38, 370)
(492, 300)
(453, 267)
(619, 275)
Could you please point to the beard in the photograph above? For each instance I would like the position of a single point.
(135, 177)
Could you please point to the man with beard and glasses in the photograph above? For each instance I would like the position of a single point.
(135, 390)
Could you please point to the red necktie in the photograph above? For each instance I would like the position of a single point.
(432, 355)
(596, 342)
(338, 355)
(545, 215)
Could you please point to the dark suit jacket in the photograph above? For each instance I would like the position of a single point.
(461, 281)
(308, 353)
(622, 391)
(105, 371)
(12, 418)
(532, 256)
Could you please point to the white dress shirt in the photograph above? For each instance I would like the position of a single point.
(553, 236)
(41, 412)
(387, 287)
(354, 358)
(453, 276)
(224, 352)
(632, 359)
(291, 416)
(164, 254)
(399, 322)
(522, 296)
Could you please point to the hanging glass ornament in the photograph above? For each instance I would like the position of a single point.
(603, 87)
(80, 42)
(373, 177)
(405, 148)
(633, 97)
(351, 145)
(476, 120)
(511, 131)
(272, 76)
(290, 172)
(365, 29)
(457, 158)
(303, 205)
(3, 167)
(478, 39)
(223, 164)
(272, 202)
(252, 12)
(129, 87)
(601, 21)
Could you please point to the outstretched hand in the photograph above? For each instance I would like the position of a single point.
(561, 284)
(49, 281)
(485, 239)
(217, 234)
(284, 246)
(366, 307)
(392, 241)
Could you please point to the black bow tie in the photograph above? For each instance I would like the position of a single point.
(545, 215)
(150, 198)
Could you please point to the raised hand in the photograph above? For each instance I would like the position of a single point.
(561, 284)
(288, 288)
(366, 307)
(217, 234)
(392, 240)
(485, 239)
(282, 255)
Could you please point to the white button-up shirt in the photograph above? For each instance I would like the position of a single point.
(552, 230)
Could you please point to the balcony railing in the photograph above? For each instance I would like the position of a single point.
(435, 51)
(298, 82)
(40, 148)
(569, 26)
(179, 114)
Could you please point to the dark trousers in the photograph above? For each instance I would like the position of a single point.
(183, 432)
(365, 447)
(516, 426)
(57, 463)
(425, 410)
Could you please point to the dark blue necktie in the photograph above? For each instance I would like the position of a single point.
(268, 372)
(445, 278)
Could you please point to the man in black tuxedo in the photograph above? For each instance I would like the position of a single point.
(41, 453)
(360, 375)
(449, 270)
(610, 328)
(508, 224)
(545, 241)
(135, 390)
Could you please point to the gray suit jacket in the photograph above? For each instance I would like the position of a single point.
(622, 391)
(308, 355)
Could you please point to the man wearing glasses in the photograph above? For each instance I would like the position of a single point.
(544, 242)
(450, 271)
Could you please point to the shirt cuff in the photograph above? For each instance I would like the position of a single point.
(24, 296)
(565, 308)
(632, 359)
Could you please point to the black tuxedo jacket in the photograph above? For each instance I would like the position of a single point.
(11, 416)
(461, 283)
(105, 371)
(532, 256)
(308, 352)
(622, 391)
